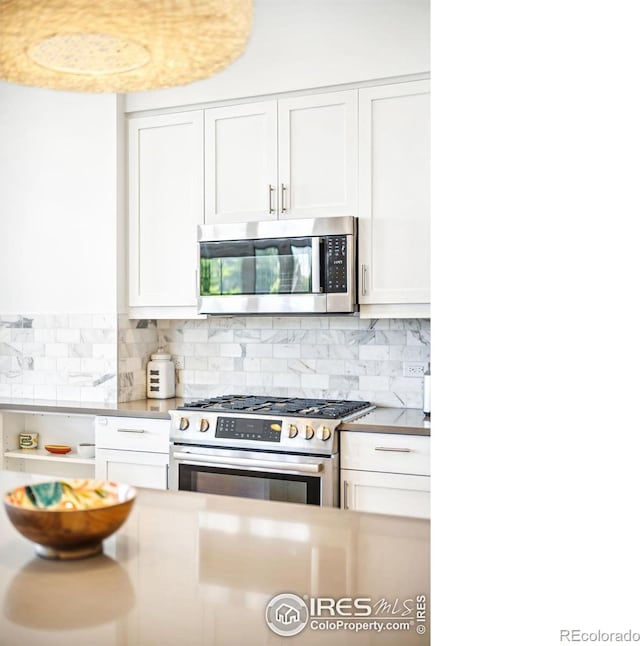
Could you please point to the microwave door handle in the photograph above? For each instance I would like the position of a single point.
(316, 283)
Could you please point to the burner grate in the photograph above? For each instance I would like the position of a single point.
(303, 407)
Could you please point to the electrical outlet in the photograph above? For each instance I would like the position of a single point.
(179, 362)
(413, 369)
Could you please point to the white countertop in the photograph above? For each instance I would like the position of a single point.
(386, 420)
(391, 420)
(191, 569)
(149, 408)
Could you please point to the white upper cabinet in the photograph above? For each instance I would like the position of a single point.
(292, 158)
(362, 152)
(165, 206)
(317, 162)
(394, 228)
(241, 176)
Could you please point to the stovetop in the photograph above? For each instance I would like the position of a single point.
(291, 406)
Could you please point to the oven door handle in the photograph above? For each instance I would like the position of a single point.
(226, 463)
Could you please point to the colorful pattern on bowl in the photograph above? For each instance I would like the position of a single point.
(66, 495)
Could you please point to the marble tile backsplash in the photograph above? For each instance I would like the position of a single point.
(137, 341)
(103, 358)
(60, 356)
(330, 357)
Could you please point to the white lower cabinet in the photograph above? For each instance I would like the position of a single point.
(386, 473)
(386, 493)
(133, 450)
(136, 468)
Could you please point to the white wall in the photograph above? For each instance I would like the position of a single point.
(299, 44)
(57, 201)
(58, 150)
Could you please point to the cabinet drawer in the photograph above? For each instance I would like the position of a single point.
(133, 433)
(386, 452)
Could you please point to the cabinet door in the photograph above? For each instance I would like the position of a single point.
(136, 468)
(165, 207)
(394, 229)
(317, 155)
(240, 163)
(386, 493)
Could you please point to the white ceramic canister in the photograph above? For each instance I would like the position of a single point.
(161, 377)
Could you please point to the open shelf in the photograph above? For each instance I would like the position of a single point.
(52, 428)
(41, 454)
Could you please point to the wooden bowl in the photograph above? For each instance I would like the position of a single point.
(68, 519)
(60, 449)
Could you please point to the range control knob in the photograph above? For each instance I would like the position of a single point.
(325, 433)
(308, 432)
(204, 425)
(293, 430)
(184, 424)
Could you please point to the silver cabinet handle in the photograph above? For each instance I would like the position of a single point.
(283, 208)
(364, 280)
(344, 496)
(394, 449)
(271, 189)
(131, 430)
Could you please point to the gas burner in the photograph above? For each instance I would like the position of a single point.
(301, 407)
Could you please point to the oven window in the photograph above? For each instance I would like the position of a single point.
(250, 484)
(278, 266)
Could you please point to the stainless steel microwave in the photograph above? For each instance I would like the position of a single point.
(298, 266)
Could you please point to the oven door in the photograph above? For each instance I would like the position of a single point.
(310, 480)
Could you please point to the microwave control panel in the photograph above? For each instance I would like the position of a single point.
(336, 267)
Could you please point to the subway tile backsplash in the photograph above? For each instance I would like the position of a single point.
(137, 341)
(103, 358)
(60, 356)
(331, 357)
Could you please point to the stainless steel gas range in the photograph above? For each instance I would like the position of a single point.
(270, 448)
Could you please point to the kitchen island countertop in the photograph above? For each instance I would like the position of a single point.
(190, 568)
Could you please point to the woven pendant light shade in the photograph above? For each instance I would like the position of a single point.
(119, 45)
